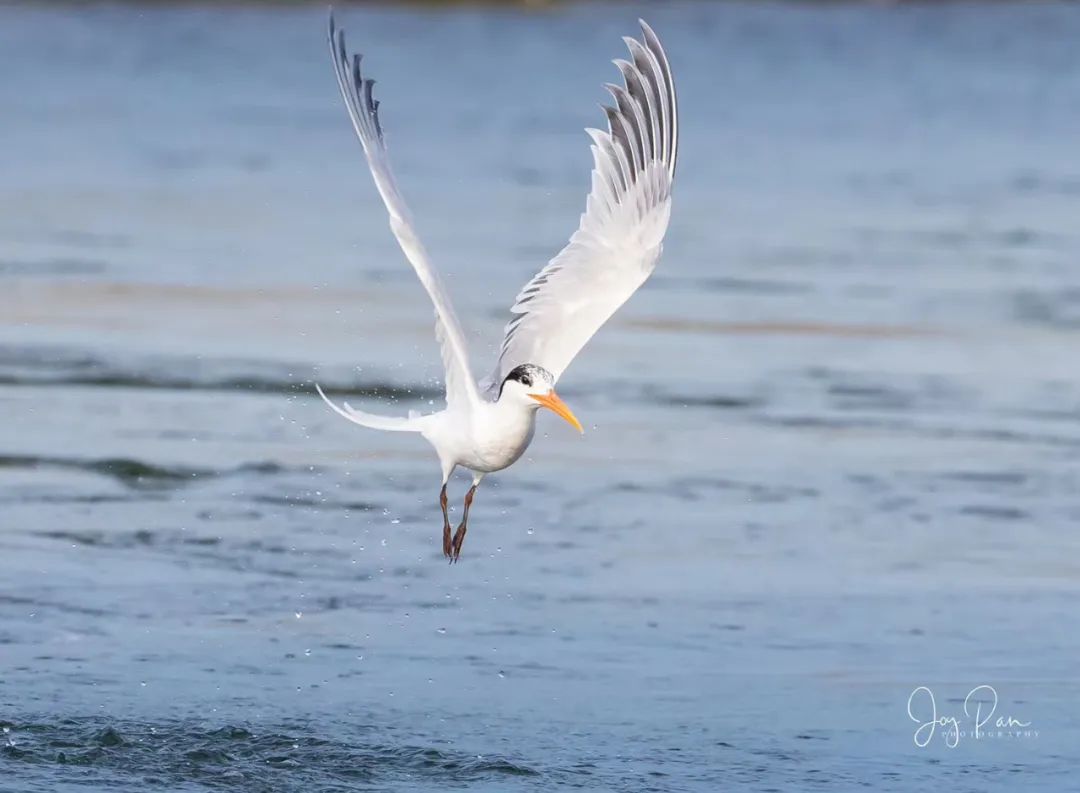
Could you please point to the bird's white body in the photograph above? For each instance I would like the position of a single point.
(489, 438)
(488, 426)
(483, 436)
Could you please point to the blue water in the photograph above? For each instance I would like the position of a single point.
(832, 449)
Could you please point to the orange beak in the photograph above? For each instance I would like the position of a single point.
(552, 402)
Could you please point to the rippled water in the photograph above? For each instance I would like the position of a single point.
(833, 447)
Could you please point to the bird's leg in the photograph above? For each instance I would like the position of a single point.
(446, 545)
(459, 535)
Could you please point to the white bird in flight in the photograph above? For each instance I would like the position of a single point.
(487, 426)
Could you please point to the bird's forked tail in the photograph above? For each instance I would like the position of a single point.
(389, 423)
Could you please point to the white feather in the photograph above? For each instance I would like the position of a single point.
(618, 240)
(363, 110)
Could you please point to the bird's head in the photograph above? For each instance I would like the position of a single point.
(534, 387)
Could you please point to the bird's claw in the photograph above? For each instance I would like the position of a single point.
(458, 541)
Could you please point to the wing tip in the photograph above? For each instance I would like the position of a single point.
(650, 35)
(335, 35)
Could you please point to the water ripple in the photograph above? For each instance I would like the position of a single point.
(237, 757)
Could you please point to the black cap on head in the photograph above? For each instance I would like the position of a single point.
(528, 374)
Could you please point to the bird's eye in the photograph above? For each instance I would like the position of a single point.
(526, 381)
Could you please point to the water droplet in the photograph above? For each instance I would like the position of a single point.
(307, 651)
(502, 675)
(441, 630)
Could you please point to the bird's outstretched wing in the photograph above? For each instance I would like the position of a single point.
(364, 112)
(618, 241)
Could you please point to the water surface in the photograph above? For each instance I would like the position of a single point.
(832, 449)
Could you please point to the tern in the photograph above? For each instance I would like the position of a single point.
(487, 426)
